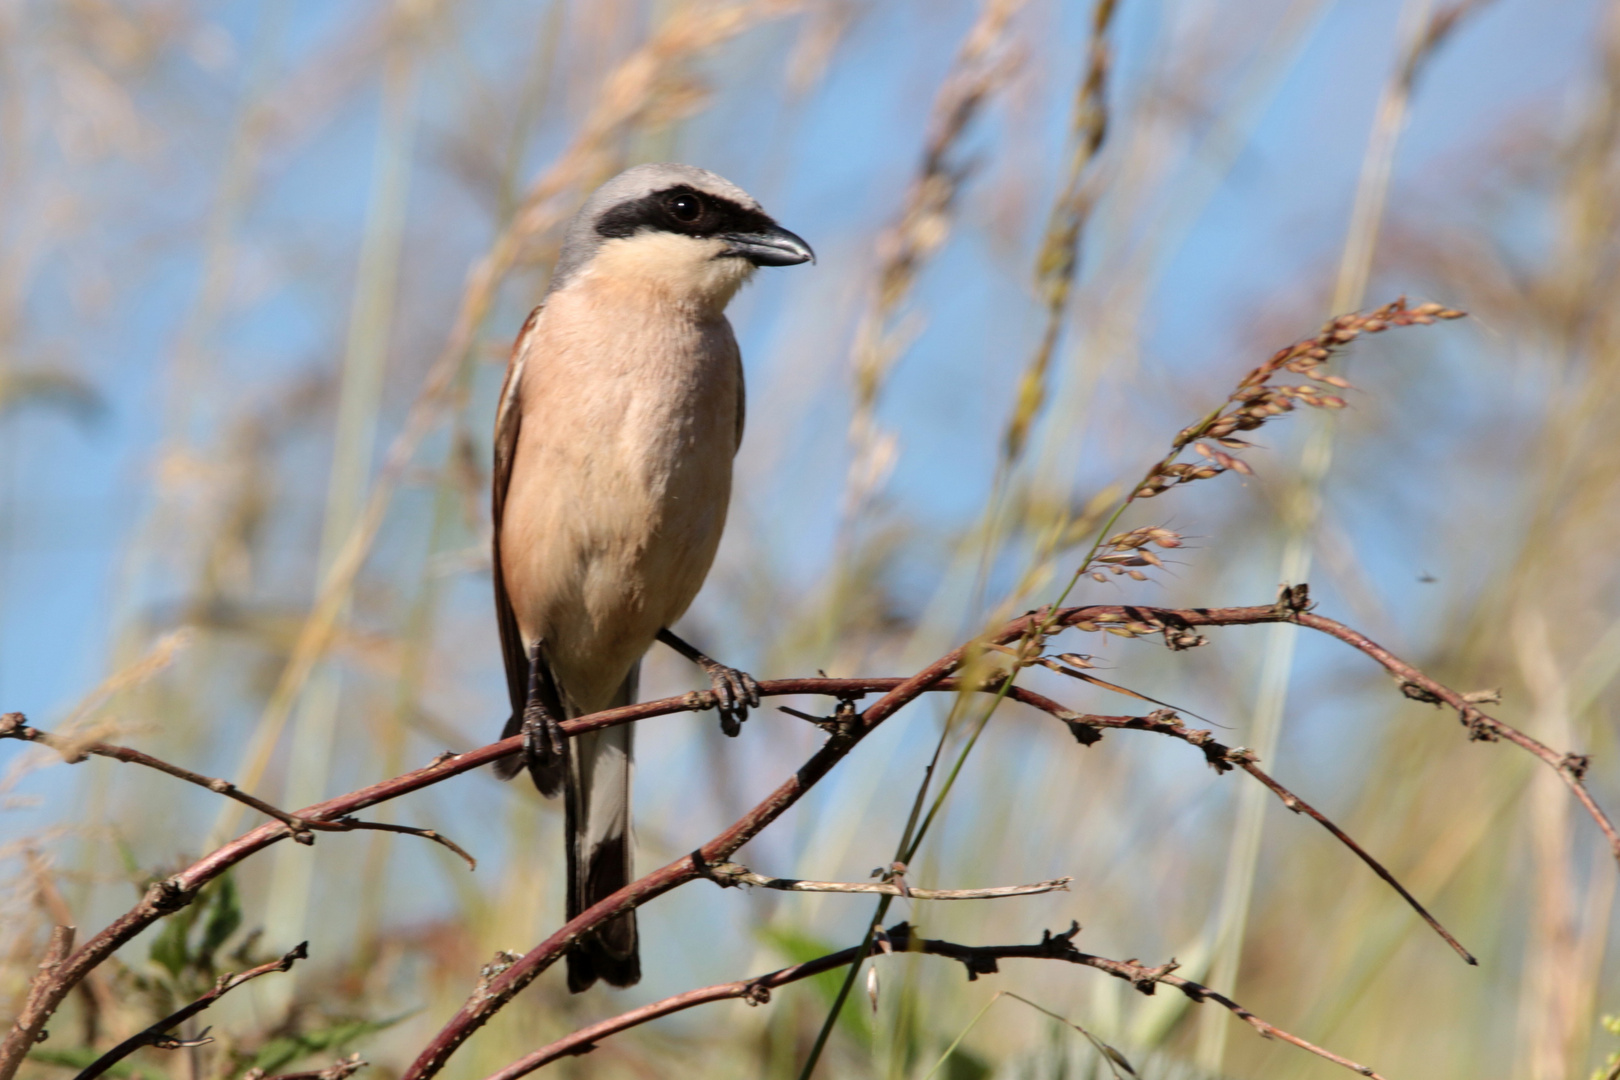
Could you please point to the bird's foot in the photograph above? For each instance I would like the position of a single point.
(735, 692)
(542, 737)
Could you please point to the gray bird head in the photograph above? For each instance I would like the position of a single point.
(688, 228)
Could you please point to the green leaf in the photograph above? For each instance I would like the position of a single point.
(798, 947)
(132, 865)
(169, 948)
(224, 919)
(283, 1050)
(966, 1065)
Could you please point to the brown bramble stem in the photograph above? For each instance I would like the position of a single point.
(1136, 621)
(1223, 758)
(14, 726)
(179, 890)
(1570, 767)
(978, 959)
(1086, 728)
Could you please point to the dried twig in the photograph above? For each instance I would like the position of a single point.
(98, 997)
(1570, 767)
(978, 959)
(158, 1034)
(1246, 761)
(15, 726)
(1087, 729)
(730, 874)
(29, 1027)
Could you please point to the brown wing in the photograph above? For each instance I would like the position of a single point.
(508, 421)
(742, 394)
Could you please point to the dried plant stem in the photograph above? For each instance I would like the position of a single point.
(301, 829)
(37, 1008)
(729, 874)
(1058, 264)
(362, 369)
(1136, 621)
(14, 726)
(342, 1070)
(1087, 729)
(921, 231)
(977, 959)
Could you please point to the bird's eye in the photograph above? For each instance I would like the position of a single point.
(685, 207)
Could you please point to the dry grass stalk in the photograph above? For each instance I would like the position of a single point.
(1059, 261)
(1421, 44)
(983, 67)
(1256, 401)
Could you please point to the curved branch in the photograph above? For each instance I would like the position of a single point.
(1224, 758)
(15, 726)
(1176, 625)
(1570, 767)
(978, 959)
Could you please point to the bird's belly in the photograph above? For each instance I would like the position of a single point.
(608, 546)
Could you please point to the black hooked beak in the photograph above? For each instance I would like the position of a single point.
(770, 246)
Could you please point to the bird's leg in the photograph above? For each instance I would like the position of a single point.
(735, 692)
(542, 733)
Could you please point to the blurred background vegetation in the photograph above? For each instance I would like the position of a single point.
(261, 265)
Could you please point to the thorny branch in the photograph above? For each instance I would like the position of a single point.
(1086, 730)
(977, 959)
(158, 1034)
(15, 726)
(1177, 626)
(1570, 767)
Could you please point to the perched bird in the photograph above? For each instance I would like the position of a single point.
(622, 410)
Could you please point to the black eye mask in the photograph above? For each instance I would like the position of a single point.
(683, 210)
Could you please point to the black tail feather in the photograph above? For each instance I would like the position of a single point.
(610, 952)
